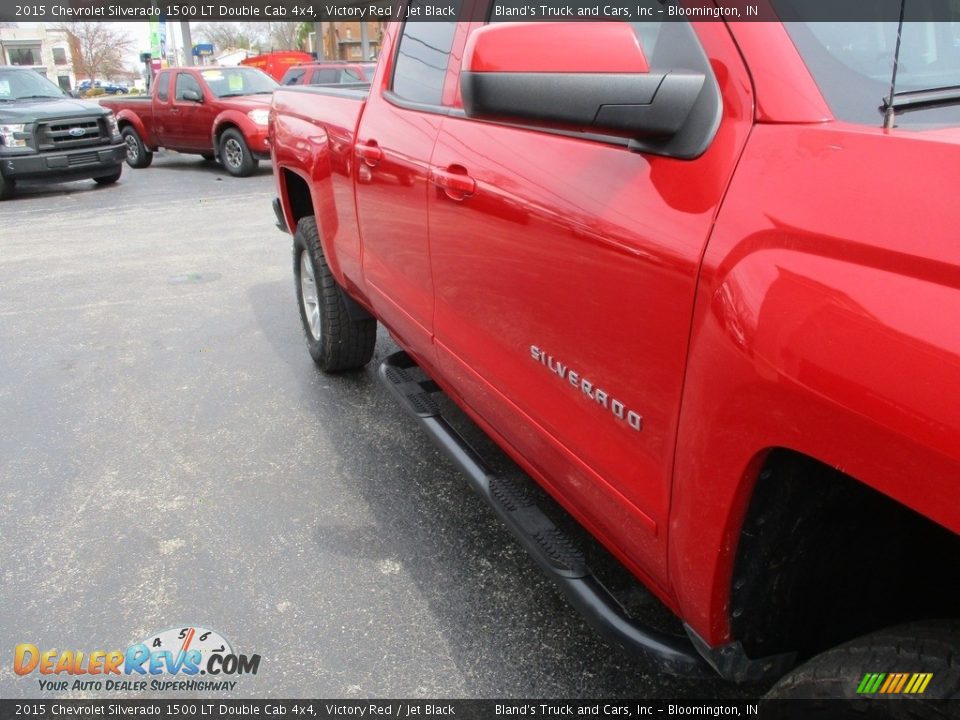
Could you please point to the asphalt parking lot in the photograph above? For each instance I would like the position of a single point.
(169, 456)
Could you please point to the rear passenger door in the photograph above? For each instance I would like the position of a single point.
(394, 143)
(565, 267)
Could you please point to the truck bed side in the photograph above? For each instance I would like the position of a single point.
(312, 132)
(137, 112)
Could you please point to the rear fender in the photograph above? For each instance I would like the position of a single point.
(129, 117)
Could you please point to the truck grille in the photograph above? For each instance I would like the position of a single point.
(71, 133)
(87, 158)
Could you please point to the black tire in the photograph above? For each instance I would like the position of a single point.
(111, 178)
(137, 154)
(918, 647)
(7, 187)
(209, 157)
(344, 341)
(235, 154)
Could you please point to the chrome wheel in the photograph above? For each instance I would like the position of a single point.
(133, 148)
(233, 153)
(308, 292)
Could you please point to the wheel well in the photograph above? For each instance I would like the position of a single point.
(823, 558)
(298, 196)
(221, 129)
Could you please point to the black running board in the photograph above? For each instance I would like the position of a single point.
(556, 554)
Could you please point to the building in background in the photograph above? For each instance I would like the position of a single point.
(233, 56)
(347, 40)
(42, 49)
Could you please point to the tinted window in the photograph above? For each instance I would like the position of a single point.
(421, 64)
(24, 56)
(293, 76)
(324, 76)
(163, 86)
(350, 75)
(185, 81)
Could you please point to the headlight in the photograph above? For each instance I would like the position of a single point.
(112, 124)
(8, 135)
(259, 116)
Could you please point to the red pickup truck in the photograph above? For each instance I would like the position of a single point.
(216, 112)
(687, 277)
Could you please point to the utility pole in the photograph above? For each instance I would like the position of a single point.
(364, 41)
(187, 44)
(318, 41)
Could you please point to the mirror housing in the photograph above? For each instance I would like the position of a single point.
(581, 77)
(192, 96)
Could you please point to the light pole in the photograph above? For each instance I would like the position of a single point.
(318, 41)
(187, 44)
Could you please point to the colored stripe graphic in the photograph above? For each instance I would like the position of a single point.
(894, 683)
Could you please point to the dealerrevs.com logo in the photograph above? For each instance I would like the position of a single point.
(170, 660)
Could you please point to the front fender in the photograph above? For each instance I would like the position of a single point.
(254, 135)
(825, 323)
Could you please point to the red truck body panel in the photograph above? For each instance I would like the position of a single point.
(726, 299)
(825, 324)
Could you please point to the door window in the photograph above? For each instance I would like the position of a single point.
(163, 86)
(421, 65)
(185, 82)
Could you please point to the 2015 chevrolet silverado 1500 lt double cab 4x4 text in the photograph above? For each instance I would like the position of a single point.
(685, 278)
(48, 136)
(210, 111)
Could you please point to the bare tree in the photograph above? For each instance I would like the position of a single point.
(226, 35)
(98, 49)
(285, 35)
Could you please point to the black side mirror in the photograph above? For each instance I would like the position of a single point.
(192, 96)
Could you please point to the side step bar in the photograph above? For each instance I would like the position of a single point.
(550, 547)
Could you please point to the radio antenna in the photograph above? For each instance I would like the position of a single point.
(889, 114)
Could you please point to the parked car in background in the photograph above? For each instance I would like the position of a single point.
(329, 73)
(109, 88)
(216, 112)
(47, 135)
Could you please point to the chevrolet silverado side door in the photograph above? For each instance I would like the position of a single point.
(395, 140)
(565, 267)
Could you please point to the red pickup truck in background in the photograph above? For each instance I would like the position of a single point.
(685, 278)
(217, 112)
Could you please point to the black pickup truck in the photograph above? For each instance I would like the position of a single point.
(47, 135)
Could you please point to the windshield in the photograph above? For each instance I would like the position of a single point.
(23, 84)
(227, 82)
(852, 62)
